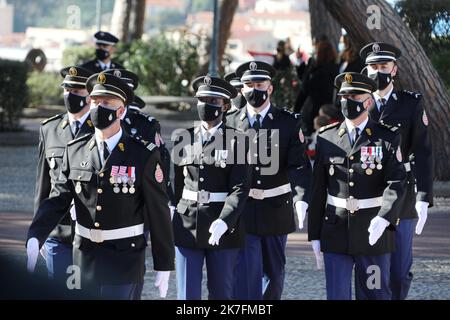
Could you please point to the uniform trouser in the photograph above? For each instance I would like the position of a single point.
(220, 264)
(130, 291)
(259, 273)
(58, 257)
(140, 287)
(371, 276)
(401, 260)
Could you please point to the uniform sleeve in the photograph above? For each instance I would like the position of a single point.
(43, 183)
(239, 187)
(316, 209)
(52, 209)
(395, 179)
(299, 166)
(421, 147)
(158, 215)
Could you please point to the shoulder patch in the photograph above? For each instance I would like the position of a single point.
(58, 116)
(323, 129)
(415, 95)
(71, 142)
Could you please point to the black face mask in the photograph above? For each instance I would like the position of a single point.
(101, 54)
(208, 112)
(74, 103)
(382, 79)
(103, 117)
(352, 109)
(256, 98)
(239, 102)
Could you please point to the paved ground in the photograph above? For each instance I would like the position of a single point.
(432, 249)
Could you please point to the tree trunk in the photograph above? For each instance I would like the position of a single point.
(121, 19)
(138, 18)
(416, 73)
(323, 23)
(226, 15)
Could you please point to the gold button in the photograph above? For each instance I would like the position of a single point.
(133, 245)
(101, 174)
(100, 191)
(257, 168)
(326, 218)
(99, 208)
(351, 184)
(201, 167)
(97, 224)
(350, 170)
(352, 157)
(201, 179)
(258, 182)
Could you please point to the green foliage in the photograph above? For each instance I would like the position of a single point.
(44, 88)
(77, 55)
(286, 87)
(165, 66)
(441, 61)
(13, 93)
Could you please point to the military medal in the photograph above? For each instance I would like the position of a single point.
(123, 178)
(114, 172)
(131, 179)
(331, 171)
(223, 164)
(52, 163)
(78, 187)
(364, 156)
(369, 171)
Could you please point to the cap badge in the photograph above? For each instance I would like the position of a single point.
(348, 78)
(73, 71)
(101, 78)
(376, 48)
(117, 73)
(253, 66)
(207, 80)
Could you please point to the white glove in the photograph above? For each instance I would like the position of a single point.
(32, 254)
(162, 282)
(376, 229)
(73, 213)
(172, 212)
(217, 229)
(301, 207)
(422, 211)
(316, 249)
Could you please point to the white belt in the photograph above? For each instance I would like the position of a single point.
(96, 235)
(203, 196)
(260, 194)
(353, 204)
(407, 166)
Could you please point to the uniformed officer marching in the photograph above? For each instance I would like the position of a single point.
(104, 48)
(114, 181)
(212, 179)
(239, 101)
(358, 184)
(278, 184)
(404, 110)
(54, 135)
(144, 127)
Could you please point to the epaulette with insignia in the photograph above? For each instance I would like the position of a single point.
(79, 139)
(147, 144)
(322, 129)
(413, 94)
(389, 127)
(58, 116)
(291, 113)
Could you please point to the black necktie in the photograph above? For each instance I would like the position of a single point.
(76, 126)
(257, 123)
(105, 151)
(206, 138)
(382, 105)
(356, 136)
